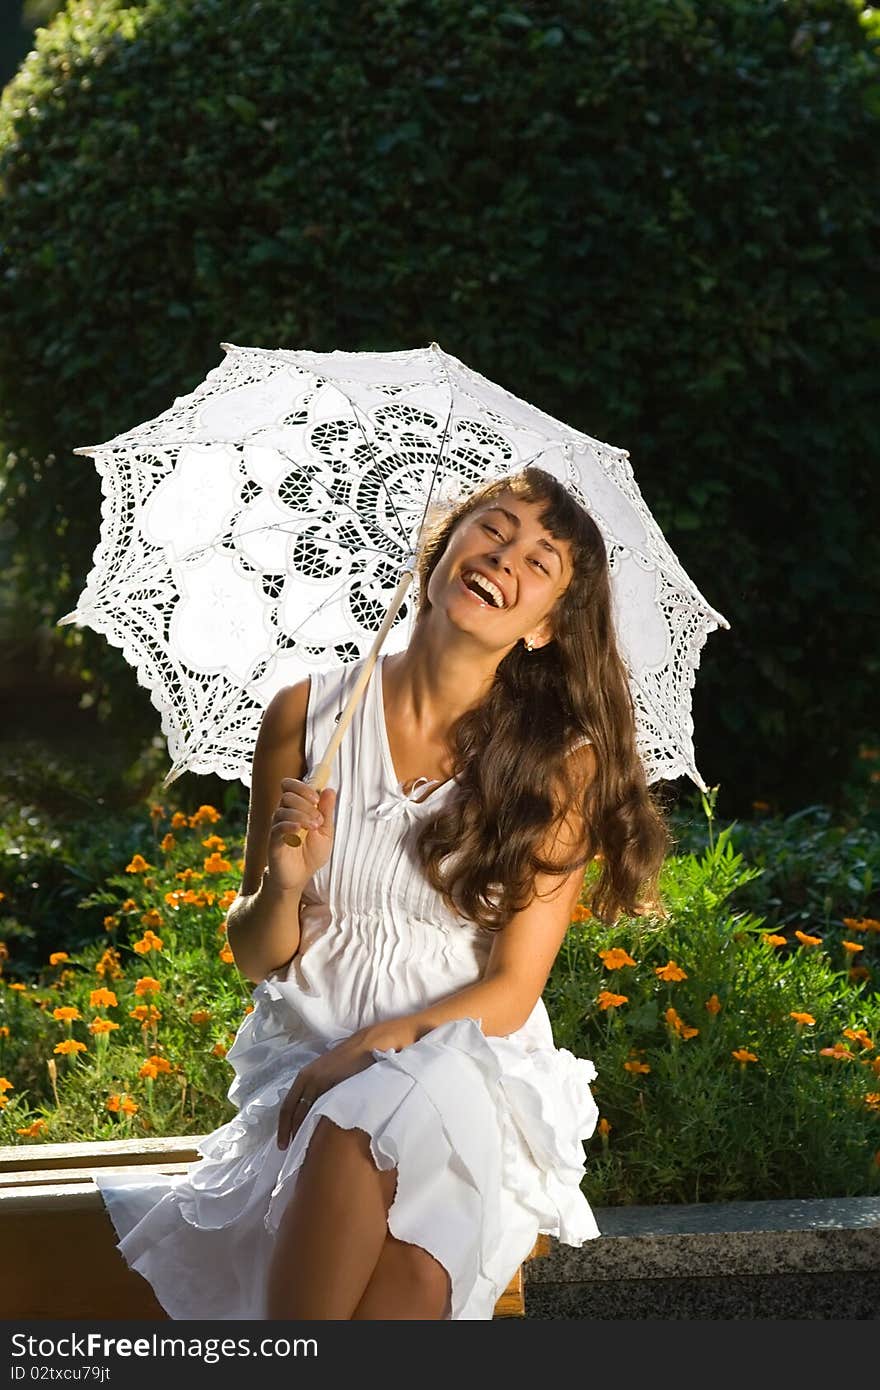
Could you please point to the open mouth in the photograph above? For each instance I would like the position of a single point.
(479, 595)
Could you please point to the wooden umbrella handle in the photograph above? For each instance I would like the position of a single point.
(320, 776)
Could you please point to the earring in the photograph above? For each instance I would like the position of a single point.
(529, 644)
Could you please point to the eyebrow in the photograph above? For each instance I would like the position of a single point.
(512, 516)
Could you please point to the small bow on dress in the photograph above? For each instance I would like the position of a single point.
(399, 803)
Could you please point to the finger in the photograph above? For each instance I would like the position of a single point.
(302, 1109)
(285, 815)
(301, 799)
(284, 1132)
(291, 787)
(295, 1106)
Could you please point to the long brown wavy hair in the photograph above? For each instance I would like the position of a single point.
(510, 763)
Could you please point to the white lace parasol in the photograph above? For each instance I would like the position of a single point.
(258, 530)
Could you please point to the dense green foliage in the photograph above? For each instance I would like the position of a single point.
(657, 221)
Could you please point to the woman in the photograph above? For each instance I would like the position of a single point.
(406, 1125)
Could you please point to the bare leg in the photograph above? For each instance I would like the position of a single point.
(407, 1283)
(333, 1231)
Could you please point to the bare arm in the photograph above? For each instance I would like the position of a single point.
(262, 924)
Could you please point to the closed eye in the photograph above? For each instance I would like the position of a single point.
(496, 532)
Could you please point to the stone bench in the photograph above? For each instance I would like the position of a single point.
(808, 1258)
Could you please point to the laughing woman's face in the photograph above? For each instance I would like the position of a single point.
(502, 573)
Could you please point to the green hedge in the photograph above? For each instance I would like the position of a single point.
(656, 220)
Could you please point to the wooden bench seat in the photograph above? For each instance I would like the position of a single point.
(59, 1246)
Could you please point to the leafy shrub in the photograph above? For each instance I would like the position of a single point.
(655, 221)
(733, 1062)
(128, 1033)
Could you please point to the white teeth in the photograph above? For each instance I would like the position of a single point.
(489, 586)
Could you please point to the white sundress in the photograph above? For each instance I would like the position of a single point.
(486, 1131)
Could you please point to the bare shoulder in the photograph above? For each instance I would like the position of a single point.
(284, 718)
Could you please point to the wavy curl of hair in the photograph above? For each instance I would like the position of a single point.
(510, 765)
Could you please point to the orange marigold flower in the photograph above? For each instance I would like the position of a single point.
(670, 971)
(859, 972)
(4, 1031)
(872, 1100)
(102, 1025)
(167, 843)
(871, 923)
(110, 922)
(636, 1066)
(219, 1050)
(227, 898)
(66, 1013)
(226, 955)
(214, 842)
(859, 1035)
(57, 957)
(801, 1018)
(33, 1130)
(145, 1014)
(159, 1064)
(148, 942)
(683, 1029)
(616, 957)
(147, 985)
(179, 821)
(200, 1016)
(806, 940)
(215, 864)
(239, 864)
(17, 985)
(852, 946)
(773, 939)
(838, 1051)
(743, 1055)
(70, 1045)
(581, 913)
(608, 1000)
(129, 905)
(713, 1004)
(4, 949)
(249, 1009)
(604, 1127)
(103, 999)
(152, 918)
(156, 810)
(855, 923)
(204, 815)
(6, 1084)
(148, 1071)
(109, 964)
(128, 1106)
(138, 865)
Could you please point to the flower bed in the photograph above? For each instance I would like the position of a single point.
(734, 1061)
